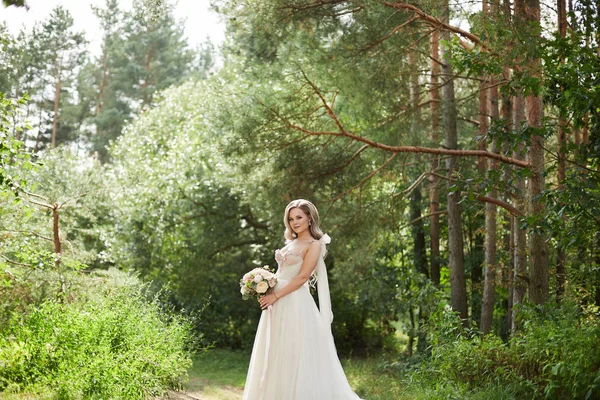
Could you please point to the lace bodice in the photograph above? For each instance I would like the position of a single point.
(289, 259)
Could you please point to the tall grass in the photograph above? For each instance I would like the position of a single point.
(114, 344)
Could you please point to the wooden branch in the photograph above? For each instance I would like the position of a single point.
(56, 232)
(436, 22)
(396, 149)
(508, 207)
(413, 185)
(8, 260)
(341, 167)
(389, 35)
(75, 198)
(469, 120)
(417, 149)
(362, 182)
(37, 196)
(327, 107)
(37, 203)
(440, 212)
(426, 34)
(312, 5)
(30, 233)
(288, 144)
(352, 11)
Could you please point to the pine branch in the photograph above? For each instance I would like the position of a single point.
(397, 149)
(389, 35)
(348, 162)
(365, 179)
(437, 23)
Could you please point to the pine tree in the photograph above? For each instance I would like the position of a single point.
(142, 52)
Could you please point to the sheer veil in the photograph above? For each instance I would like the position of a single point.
(323, 284)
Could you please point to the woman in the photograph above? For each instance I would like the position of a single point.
(294, 357)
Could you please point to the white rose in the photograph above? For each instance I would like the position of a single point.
(244, 290)
(262, 287)
(258, 278)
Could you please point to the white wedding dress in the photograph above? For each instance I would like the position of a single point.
(294, 356)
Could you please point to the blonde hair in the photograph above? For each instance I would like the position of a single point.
(313, 216)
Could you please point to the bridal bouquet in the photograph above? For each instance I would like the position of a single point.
(256, 282)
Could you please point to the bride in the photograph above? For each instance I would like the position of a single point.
(294, 356)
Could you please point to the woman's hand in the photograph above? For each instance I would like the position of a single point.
(268, 300)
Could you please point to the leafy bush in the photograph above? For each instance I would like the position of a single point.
(550, 358)
(115, 345)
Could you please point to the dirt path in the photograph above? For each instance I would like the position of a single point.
(199, 389)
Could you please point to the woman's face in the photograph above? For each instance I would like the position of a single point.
(298, 220)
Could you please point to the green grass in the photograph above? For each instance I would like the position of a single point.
(370, 382)
(222, 367)
(220, 375)
(115, 346)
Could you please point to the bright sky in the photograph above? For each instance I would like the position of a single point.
(200, 21)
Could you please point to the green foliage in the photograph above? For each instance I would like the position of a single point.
(77, 185)
(550, 358)
(46, 61)
(16, 3)
(12, 152)
(196, 211)
(115, 344)
(144, 51)
(180, 223)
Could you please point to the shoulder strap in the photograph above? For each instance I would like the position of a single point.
(307, 245)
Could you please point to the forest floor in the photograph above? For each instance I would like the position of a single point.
(216, 375)
(220, 374)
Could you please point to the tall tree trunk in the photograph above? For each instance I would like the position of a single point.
(520, 236)
(16, 132)
(146, 96)
(477, 258)
(419, 250)
(57, 87)
(585, 132)
(55, 233)
(434, 193)
(38, 138)
(411, 334)
(478, 250)
(597, 262)
(561, 172)
(538, 250)
(420, 257)
(489, 287)
(102, 83)
(506, 111)
(577, 138)
(458, 287)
